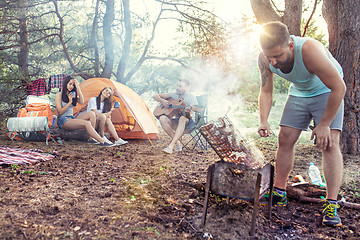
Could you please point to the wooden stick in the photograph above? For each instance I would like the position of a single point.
(300, 195)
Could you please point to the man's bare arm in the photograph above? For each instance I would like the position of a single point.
(317, 61)
(265, 96)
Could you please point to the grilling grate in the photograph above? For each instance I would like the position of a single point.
(230, 145)
(241, 165)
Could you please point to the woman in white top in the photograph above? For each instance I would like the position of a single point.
(65, 101)
(102, 106)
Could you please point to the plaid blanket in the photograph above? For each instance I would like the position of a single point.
(9, 156)
(56, 81)
(38, 87)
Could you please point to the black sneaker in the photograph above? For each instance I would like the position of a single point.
(106, 144)
(277, 199)
(93, 141)
(330, 218)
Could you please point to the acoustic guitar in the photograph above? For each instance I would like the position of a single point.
(175, 107)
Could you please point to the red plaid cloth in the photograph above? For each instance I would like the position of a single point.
(38, 87)
(56, 81)
(9, 156)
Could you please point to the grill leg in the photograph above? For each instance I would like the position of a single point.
(207, 190)
(272, 170)
(256, 204)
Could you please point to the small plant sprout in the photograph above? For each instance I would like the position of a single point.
(143, 181)
(13, 168)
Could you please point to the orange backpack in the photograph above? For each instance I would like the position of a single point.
(40, 110)
(37, 110)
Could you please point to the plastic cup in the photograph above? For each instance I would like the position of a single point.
(73, 92)
(116, 105)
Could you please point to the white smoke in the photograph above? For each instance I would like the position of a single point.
(208, 76)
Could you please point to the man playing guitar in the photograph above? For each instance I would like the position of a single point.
(182, 121)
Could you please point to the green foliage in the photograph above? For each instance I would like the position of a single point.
(355, 184)
(12, 91)
(281, 85)
(207, 34)
(313, 31)
(154, 79)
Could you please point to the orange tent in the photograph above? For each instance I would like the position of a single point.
(133, 120)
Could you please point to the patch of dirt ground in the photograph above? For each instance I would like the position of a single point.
(137, 192)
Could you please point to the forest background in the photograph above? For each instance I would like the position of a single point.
(148, 44)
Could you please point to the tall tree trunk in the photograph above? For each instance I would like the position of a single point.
(343, 22)
(108, 41)
(291, 16)
(94, 40)
(264, 12)
(23, 56)
(120, 75)
(62, 41)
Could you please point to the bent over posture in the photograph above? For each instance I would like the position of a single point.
(316, 92)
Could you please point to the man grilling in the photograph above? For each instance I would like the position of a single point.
(175, 127)
(317, 92)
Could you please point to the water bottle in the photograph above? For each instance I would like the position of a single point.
(315, 176)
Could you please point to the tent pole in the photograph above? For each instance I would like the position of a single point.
(149, 140)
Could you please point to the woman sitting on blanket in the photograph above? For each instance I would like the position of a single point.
(65, 101)
(102, 106)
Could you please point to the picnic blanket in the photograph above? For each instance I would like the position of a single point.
(9, 156)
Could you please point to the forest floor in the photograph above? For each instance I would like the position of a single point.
(137, 192)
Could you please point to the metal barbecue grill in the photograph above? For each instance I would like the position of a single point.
(242, 172)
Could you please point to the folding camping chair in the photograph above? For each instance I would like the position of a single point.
(200, 119)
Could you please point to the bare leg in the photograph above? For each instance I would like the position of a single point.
(333, 166)
(74, 124)
(179, 131)
(166, 125)
(285, 155)
(100, 120)
(112, 129)
(89, 116)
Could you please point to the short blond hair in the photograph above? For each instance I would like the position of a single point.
(274, 34)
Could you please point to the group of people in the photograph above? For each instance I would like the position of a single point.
(316, 93)
(96, 118)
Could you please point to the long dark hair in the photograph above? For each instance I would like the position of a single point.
(107, 101)
(64, 91)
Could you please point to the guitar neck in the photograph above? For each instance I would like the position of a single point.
(177, 106)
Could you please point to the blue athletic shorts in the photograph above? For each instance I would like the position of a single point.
(62, 119)
(299, 111)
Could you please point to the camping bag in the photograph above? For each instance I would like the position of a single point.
(37, 110)
(29, 128)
